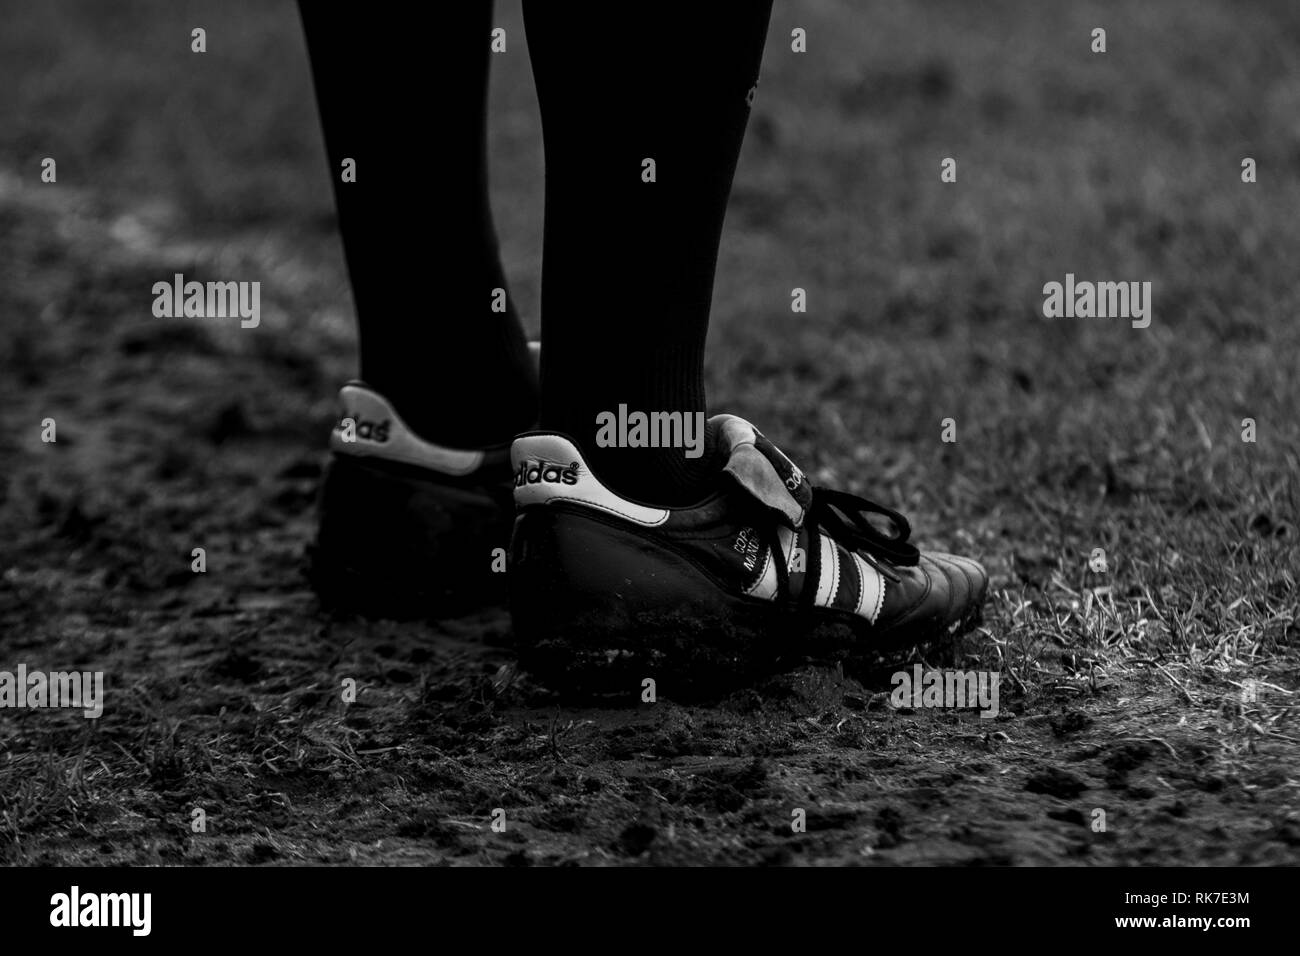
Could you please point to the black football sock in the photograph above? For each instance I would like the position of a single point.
(628, 264)
(417, 227)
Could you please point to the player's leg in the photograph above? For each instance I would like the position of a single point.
(630, 248)
(415, 499)
(416, 222)
(634, 562)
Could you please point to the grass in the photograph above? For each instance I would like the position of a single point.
(924, 304)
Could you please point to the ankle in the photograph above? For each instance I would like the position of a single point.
(666, 461)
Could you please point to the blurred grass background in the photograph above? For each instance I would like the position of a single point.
(924, 297)
(924, 303)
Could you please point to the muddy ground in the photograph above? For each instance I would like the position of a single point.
(1160, 692)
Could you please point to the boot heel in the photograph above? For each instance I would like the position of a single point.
(395, 544)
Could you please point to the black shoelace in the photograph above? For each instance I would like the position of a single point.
(844, 519)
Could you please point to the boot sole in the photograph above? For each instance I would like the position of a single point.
(597, 609)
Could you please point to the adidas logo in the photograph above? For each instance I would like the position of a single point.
(354, 427)
(532, 473)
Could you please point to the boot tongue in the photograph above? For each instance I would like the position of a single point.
(761, 469)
